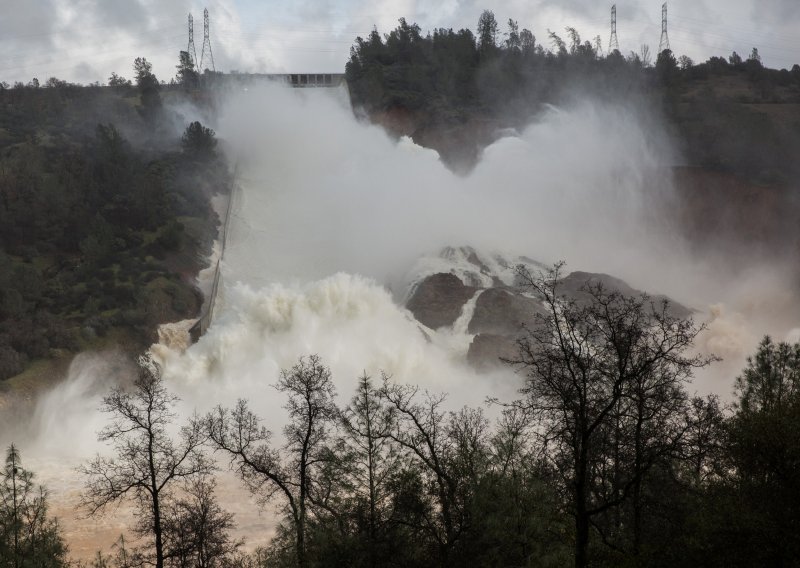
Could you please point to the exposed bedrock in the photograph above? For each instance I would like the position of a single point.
(437, 300)
(503, 309)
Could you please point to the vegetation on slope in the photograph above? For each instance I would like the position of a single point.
(104, 214)
(452, 90)
(604, 460)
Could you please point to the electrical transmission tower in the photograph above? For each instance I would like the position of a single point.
(206, 42)
(664, 43)
(614, 42)
(191, 49)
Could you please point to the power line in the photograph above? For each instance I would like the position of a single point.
(664, 43)
(69, 32)
(95, 42)
(206, 42)
(613, 44)
(300, 29)
(732, 36)
(191, 50)
(325, 40)
(278, 41)
(159, 43)
(721, 44)
(753, 40)
(105, 58)
(735, 28)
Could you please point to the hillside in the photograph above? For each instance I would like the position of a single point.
(104, 217)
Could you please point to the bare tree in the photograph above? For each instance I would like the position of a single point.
(645, 56)
(239, 433)
(702, 445)
(148, 464)
(452, 452)
(589, 364)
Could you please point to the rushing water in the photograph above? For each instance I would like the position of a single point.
(327, 236)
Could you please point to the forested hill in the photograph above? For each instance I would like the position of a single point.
(452, 90)
(104, 214)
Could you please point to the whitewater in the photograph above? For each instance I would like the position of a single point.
(334, 221)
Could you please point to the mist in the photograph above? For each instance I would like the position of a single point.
(589, 184)
(569, 186)
(333, 216)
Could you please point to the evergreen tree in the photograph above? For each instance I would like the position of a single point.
(187, 74)
(296, 477)
(371, 461)
(29, 538)
(199, 141)
(765, 453)
(487, 33)
(149, 87)
(513, 37)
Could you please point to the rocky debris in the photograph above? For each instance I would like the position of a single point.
(437, 300)
(473, 258)
(469, 267)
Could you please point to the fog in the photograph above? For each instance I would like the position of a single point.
(589, 184)
(332, 214)
(344, 194)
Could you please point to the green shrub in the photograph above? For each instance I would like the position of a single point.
(11, 362)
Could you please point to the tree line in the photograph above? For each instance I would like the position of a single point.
(447, 79)
(490, 70)
(605, 459)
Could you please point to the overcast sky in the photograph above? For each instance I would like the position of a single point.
(85, 40)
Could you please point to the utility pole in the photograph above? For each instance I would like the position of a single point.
(613, 44)
(206, 42)
(191, 49)
(664, 43)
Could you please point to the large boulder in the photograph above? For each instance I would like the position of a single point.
(503, 308)
(500, 311)
(572, 286)
(437, 300)
(488, 350)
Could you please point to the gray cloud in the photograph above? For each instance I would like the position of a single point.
(626, 9)
(123, 14)
(25, 26)
(73, 39)
(776, 11)
(85, 73)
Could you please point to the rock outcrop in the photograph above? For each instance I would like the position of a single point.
(503, 310)
(487, 350)
(437, 300)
